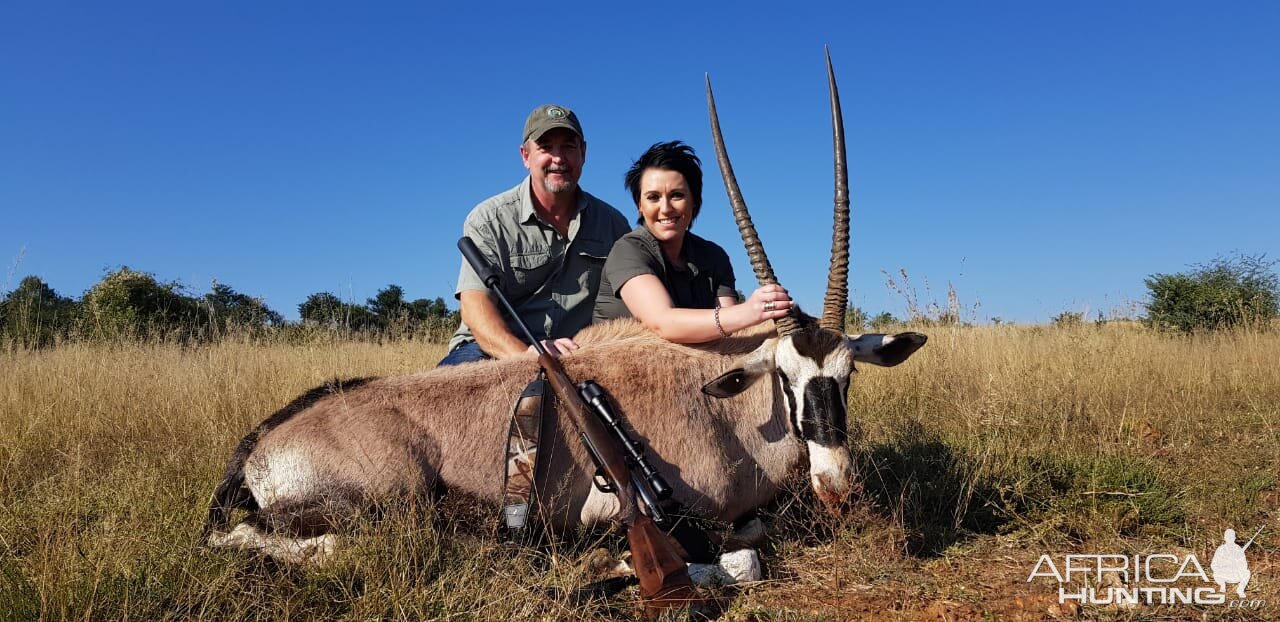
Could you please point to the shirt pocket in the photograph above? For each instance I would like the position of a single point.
(529, 271)
(593, 253)
(594, 250)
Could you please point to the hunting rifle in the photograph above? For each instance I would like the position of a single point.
(664, 578)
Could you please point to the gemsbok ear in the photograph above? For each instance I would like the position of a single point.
(885, 350)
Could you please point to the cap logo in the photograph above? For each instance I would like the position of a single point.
(555, 113)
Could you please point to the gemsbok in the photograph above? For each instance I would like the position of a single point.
(726, 422)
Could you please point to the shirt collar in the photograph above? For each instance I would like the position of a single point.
(685, 250)
(529, 216)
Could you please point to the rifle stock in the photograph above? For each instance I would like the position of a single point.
(664, 578)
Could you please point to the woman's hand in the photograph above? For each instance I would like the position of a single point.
(766, 303)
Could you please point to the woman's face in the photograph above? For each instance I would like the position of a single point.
(665, 204)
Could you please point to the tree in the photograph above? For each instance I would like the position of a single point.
(1068, 319)
(423, 309)
(326, 309)
(1226, 292)
(228, 308)
(320, 308)
(35, 316)
(127, 304)
(389, 307)
(855, 319)
(883, 321)
(433, 320)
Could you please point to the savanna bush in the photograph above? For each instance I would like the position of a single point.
(386, 316)
(230, 311)
(1241, 290)
(34, 316)
(1068, 319)
(127, 305)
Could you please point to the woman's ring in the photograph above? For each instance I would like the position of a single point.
(768, 306)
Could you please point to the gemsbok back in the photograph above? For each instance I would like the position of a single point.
(726, 423)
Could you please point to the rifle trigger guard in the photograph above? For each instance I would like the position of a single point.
(602, 482)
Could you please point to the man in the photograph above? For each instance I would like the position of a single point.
(548, 237)
(1229, 564)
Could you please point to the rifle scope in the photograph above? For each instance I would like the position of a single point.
(595, 396)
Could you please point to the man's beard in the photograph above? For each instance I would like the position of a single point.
(558, 188)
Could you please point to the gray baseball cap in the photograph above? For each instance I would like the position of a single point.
(549, 117)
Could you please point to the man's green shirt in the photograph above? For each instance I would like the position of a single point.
(550, 279)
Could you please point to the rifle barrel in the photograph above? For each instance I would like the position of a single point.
(1255, 536)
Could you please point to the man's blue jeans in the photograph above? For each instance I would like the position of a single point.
(464, 353)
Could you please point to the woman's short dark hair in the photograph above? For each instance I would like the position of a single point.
(673, 156)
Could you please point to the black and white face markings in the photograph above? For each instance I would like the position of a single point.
(814, 367)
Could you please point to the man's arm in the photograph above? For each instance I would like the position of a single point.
(484, 319)
(479, 312)
(487, 326)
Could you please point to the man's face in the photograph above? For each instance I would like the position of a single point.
(555, 160)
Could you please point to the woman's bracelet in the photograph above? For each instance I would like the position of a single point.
(718, 326)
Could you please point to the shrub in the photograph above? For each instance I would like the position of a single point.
(855, 319)
(388, 315)
(884, 321)
(229, 310)
(391, 312)
(127, 305)
(1083, 498)
(327, 310)
(35, 316)
(1227, 292)
(1068, 319)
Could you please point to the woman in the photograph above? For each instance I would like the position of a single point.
(677, 284)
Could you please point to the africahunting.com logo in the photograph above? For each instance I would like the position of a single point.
(1155, 579)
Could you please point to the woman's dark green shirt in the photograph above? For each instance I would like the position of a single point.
(707, 275)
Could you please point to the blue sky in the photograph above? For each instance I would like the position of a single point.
(1039, 156)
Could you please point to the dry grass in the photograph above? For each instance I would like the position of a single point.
(990, 446)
